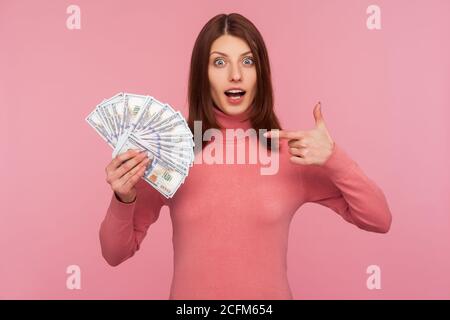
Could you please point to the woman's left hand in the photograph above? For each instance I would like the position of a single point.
(308, 147)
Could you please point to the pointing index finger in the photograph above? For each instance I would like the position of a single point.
(283, 134)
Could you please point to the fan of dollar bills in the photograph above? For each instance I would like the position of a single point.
(131, 121)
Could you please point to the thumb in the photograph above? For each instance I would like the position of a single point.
(318, 115)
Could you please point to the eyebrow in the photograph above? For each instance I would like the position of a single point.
(224, 54)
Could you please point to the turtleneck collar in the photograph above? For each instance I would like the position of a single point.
(233, 121)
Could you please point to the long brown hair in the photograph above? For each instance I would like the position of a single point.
(262, 115)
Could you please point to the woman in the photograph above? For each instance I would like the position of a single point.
(230, 222)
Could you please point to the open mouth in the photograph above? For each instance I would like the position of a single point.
(234, 93)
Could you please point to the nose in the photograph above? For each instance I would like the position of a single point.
(235, 73)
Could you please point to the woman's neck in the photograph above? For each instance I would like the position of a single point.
(238, 121)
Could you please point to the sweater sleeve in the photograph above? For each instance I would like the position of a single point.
(342, 186)
(125, 224)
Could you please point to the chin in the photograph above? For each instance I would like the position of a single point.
(234, 110)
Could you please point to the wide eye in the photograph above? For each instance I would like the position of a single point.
(249, 61)
(219, 62)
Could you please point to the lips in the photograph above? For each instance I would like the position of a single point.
(234, 92)
(235, 96)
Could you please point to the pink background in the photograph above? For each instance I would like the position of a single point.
(385, 98)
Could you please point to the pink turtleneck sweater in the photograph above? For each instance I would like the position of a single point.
(231, 223)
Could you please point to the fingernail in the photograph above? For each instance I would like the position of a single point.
(266, 134)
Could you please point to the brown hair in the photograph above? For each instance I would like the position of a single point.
(261, 115)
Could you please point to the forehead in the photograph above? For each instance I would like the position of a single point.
(230, 45)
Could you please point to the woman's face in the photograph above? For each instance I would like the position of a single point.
(232, 67)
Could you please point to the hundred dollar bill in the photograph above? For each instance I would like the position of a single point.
(158, 174)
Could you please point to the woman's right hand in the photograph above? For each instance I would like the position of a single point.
(124, 171)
